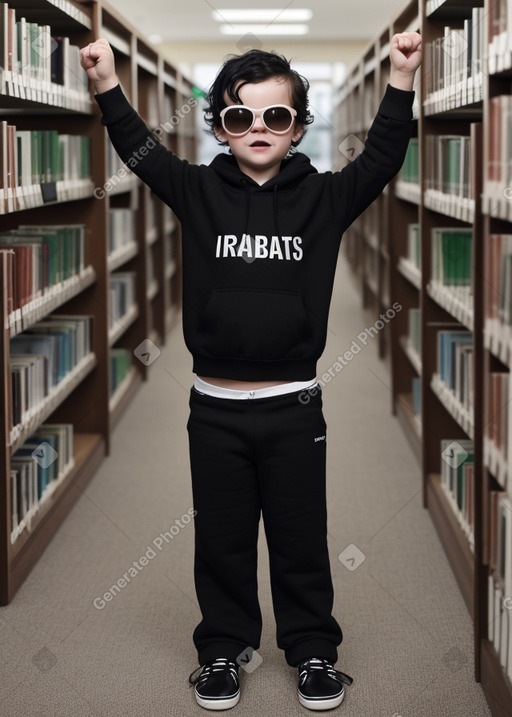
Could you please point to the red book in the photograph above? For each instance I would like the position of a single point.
(23, 274)
(11, 40)
(6, 271)
(4, 157)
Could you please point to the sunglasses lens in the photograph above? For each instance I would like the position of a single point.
(238, 120)
(278, 119)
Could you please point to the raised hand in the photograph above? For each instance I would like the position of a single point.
(98, 61)
(405, 55)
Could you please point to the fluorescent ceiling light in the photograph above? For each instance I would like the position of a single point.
(262, 15)
(275, 28)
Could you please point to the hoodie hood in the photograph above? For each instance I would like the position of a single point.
(293, 171)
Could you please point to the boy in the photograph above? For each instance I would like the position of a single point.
(261, 232)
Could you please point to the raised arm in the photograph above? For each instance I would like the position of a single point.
(364, 178)
(138, 147)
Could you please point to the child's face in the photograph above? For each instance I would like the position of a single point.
(259, 152)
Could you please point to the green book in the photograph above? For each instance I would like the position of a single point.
(454, 156)
(36, 157)
(54, 164)
(456, 245)
(414, 244)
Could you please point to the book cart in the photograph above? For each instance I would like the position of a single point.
(90, 260)
(438, 244)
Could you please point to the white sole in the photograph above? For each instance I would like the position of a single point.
(223, 703)
(318, 705)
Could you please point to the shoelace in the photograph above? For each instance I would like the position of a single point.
(204, 671)
(316, 663)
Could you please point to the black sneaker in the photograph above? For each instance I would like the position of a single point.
(320, 685)
(217, 686)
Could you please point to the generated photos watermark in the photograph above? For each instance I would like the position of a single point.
(352, 557)
(147, 352)
(140, 154)
(454, 454)
(358, 344)
(137, 566)
(249, 660)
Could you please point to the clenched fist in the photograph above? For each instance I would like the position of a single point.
(405, 55)
(97, 59)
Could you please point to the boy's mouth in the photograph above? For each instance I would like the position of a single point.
(260, 143)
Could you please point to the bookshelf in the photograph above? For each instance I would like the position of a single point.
(443, 252)
(89, 260)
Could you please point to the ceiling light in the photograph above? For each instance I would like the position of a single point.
(275, 28)
(262, 15)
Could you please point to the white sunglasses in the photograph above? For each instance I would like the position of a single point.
(239, 119)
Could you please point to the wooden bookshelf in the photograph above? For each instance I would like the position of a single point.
(84, 398)
(451, 102)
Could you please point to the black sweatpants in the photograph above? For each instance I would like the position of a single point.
(263, 456)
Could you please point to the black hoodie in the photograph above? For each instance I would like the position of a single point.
(259, 260)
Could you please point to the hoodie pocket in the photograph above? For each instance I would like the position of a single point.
(254, 324)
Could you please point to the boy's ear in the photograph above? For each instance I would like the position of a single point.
(220, 134)
(299, 131)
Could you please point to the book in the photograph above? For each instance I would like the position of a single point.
(120, 365)
(498, 297)
(43, 257)
(4, 45)
(416, 396)
(454, 60)
(498, 173)
(499, 20)
(29, 385)
(414, 244)
(410, 168)
(42, 356)
(121, 228)
(449, 165)
(500, 584)
(452, 276)
(41, 166)
(121, 296)
(414, 335)
(453, 382)
(449, 344)
(41, 463)
(496, 437)
(457, 482)
(7, 284)
(452, 256)
(37, 66)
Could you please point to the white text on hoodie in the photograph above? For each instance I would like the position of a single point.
(259, 247)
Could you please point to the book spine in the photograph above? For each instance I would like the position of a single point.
(457, 482)
(38, 467)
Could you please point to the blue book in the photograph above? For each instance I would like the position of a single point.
(446, 354)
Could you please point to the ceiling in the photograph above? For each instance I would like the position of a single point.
(191, 20)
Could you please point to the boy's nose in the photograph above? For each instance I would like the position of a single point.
(258, 124)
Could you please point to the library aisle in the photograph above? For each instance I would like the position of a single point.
(78, 645)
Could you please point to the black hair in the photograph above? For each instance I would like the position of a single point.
(251, 67)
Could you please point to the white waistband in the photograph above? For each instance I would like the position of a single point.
(281, 389)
